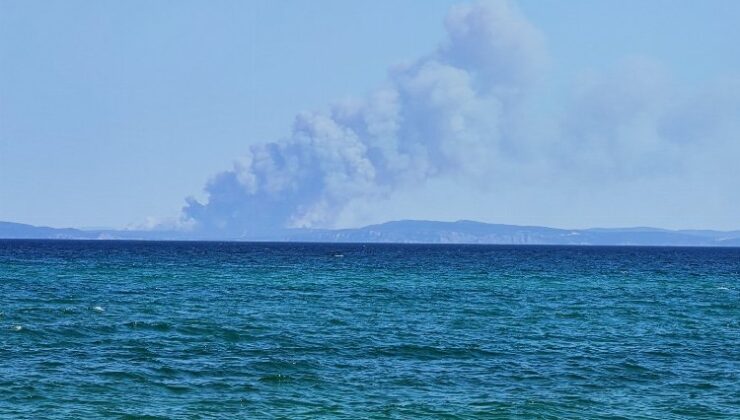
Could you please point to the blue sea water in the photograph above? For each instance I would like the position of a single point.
(209, 330)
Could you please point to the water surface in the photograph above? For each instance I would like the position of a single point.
(164, 329)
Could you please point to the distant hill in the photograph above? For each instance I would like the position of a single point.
(10, 230)
(414, 231)
(464, 231)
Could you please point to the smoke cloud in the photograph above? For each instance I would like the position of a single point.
(438, 115)
(463, 111)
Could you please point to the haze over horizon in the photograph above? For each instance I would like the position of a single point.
(564, 114)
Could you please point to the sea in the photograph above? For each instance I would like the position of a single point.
(127, 329)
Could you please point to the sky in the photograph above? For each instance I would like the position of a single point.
(254, 115)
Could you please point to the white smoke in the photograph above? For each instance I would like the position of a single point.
(464, 112)
(442, 114)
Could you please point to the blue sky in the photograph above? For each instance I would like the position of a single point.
(113, 113)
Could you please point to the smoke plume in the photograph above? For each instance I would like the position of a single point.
(465, 112)
(443, 113)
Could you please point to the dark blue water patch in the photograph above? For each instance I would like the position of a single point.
(166, 329)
